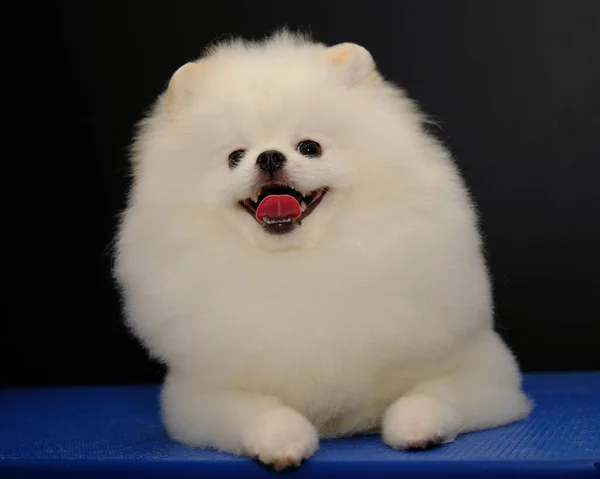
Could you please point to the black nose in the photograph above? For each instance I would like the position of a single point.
(270, 161)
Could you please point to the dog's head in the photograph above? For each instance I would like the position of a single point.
(271, 136)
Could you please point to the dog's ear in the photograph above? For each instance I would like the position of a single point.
(354, 61)
(183, 83)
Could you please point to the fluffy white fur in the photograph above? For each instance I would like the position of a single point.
(374, 315)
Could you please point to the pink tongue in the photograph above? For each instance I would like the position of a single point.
(278, 207)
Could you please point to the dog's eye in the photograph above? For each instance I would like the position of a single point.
(235, 157)
(309, 148)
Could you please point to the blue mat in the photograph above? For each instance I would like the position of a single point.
(115, 432)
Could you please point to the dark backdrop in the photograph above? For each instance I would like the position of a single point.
(515, 86)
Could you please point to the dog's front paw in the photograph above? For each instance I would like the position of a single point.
(281, 438)
(419, 422)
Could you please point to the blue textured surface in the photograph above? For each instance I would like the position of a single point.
(116, 432)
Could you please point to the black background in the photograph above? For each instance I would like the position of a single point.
(515, 86)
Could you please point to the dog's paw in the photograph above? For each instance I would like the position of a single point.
(281, 438)
(419, 422)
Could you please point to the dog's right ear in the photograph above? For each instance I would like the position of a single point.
(183, 83)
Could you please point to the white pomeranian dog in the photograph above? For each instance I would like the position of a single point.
(306, 260)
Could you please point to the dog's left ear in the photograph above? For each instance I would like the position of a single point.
(355, 62)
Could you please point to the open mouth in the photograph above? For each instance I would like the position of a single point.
(279, 208)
